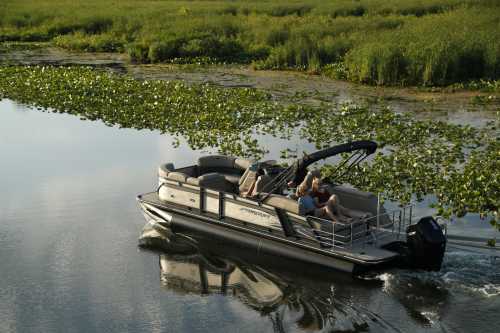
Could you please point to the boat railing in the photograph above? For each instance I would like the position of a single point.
(369, 230)
(336, 234)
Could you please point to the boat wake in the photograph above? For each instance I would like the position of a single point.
(330, 314)
(425, 294)
(475, 272)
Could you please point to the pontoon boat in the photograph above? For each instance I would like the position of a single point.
(243, 202)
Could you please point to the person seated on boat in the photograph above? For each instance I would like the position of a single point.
(322, 195)
(329, 210)
(319, 192)
(307, 181)
(251, 183)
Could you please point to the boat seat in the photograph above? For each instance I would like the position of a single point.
(216, 163)
(213, 181)
(362, 203)
(261, 183)
(234, 179)
(230, 167)
(177, 176)
(165, 169)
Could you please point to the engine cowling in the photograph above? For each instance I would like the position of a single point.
(426, 244)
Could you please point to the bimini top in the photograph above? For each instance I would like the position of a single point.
(298, 170)
(300, 166)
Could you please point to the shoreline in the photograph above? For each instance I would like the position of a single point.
(295, 84)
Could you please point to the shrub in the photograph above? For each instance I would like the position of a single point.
(298, 10)
(430, 42)
(165, 49)
(377, 63)
(230, 10)
(356, 10)
(277, 36)
(138, 52)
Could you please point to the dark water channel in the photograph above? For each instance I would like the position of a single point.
(69, 260)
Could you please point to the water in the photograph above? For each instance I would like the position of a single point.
(69, 260)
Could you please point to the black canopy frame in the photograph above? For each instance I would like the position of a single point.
(298, 170)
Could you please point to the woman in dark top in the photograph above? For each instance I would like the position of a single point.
(317, 191)
(328, 210)
(323, 198)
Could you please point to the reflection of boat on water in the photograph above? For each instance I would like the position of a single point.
(185, 269)
(288, 298)
(211, 199)
(197, 274)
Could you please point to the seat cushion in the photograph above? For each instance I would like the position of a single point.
(213, 162)
(232, 178)
(165, 169)
(242, 164)
(177, 176)
(213, 181)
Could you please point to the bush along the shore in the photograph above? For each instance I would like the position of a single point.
(382, 42)
(458, 164)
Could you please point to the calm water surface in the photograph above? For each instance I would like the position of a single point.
(69, 260)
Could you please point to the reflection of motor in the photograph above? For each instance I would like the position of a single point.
(426, 244)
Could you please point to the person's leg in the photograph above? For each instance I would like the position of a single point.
(330, 209)
(332, 204)
(336, 209)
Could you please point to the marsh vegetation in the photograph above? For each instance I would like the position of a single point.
(457, 163)
(413, 42)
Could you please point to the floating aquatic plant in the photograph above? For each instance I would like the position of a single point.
(458, 164)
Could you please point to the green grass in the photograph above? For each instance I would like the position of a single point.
(384, 42)
(458, 164)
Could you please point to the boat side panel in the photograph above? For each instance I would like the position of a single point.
(242, 212)
(259, 245)
(212, 203)
(362, 256)
(233, 208)
(179, 195)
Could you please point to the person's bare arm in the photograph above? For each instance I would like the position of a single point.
(317, 203)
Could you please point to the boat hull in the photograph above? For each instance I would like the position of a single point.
(161, 218)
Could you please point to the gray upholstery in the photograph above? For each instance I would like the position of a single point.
(190, 171)
(221, 164)
(232, 178)
(243, 177)
(282, 202)
(165, 169)
(213, 181)
(359, 201)
(216, 161)
(177, 176)
(261, 183)
(230, 167)
(242, 164)
(246, 182)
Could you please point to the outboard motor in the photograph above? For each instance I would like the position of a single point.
(426, 244)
